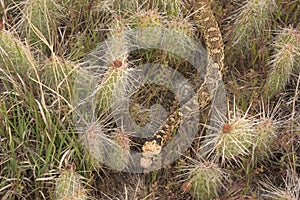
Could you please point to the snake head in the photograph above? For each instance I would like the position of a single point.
(152, 148)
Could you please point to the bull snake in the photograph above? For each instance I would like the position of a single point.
(206, 22)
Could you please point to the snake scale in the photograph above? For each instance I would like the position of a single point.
(207, 24)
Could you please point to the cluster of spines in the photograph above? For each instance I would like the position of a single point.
(251, 25)
(69, 185)
(284, 62)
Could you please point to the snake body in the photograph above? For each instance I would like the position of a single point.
(207, 24)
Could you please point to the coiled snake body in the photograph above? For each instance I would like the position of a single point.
(209, 27)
